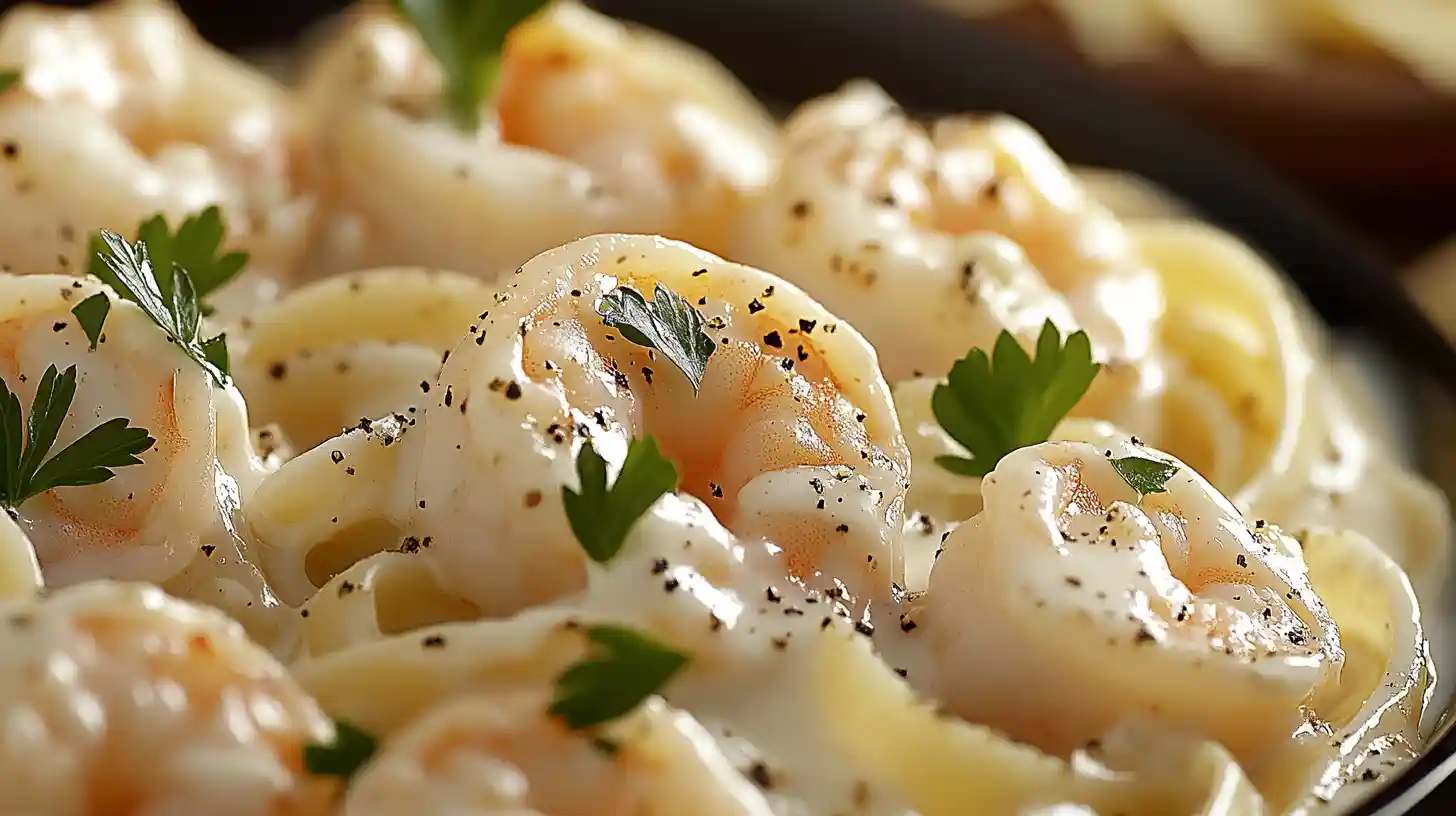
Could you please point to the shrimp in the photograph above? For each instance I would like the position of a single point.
(638, 109)
(120, 699)
(501, 753)
(593, 127)
(792, 435)
(171, 518)
(885, 221)
(1101, 605)
(122, 112)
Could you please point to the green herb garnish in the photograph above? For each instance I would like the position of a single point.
(351, 750)
(1146, 476)
(87, 461)
(196, 247)
(992, 406)
(466, 38)
(128, 270)
(91, 314)
(668, 323)
(601, 516)
(625, 668)
(8, 78)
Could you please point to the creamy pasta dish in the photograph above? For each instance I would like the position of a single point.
(512, 418)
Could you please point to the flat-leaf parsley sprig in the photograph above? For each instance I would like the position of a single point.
(1009, 400)
(127, 269)
(196, 246)
(25, 472)
(1146, 476)
(601, 516)
(624, 668)
(667, 323)
(466, 38)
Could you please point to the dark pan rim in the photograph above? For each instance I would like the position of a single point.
(794, 49)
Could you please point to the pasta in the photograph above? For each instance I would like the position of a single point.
(1256, 33)
(961, 481)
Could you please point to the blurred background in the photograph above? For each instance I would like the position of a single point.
(1350, 101)
(1354, 100)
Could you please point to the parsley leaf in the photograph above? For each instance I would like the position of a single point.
(624, 669)
(127, 269)
(24, 470)
(195, 246)
(669, 324)
(351, 749)
(8, 78)
(1146, 476)
(466, 38)
(992, 406)
(600, 516)
(91, 314)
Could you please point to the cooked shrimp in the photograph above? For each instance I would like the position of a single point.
(502, 754)
(884, 220)
(640, 110)
(119, 699)
(123, 111)
(594, 127)
(792, 435)
(1101, 605)
(172, 518)
(147, 523)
